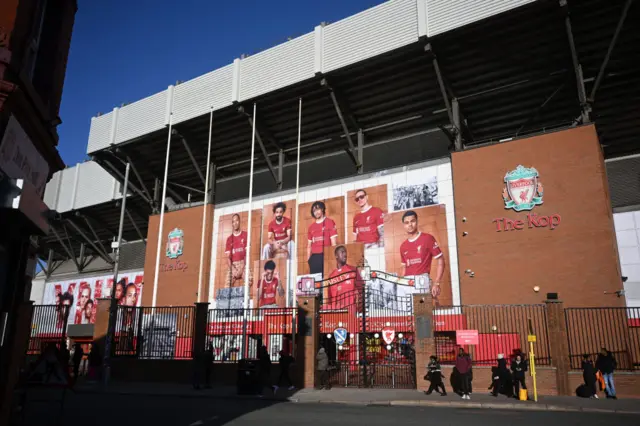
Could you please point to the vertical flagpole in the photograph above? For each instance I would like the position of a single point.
(247, 264)
(295, 234)
(161, 224)
(247, 255)
(204, 209)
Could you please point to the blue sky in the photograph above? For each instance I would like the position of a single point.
(122, 51)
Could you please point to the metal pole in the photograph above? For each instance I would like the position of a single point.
(204, 209)
(295, 234)
(247, 264)
(294, 267)
(162, 208)
(112, 305)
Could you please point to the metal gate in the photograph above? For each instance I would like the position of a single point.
(366, 327)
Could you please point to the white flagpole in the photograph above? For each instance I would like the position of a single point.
(161, 224)
(295, 264)
(204, 209)
(248, 252)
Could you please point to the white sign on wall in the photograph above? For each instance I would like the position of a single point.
(19, 158)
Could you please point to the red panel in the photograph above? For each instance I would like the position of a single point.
(490, 345)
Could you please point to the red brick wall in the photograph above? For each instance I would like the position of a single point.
(577, 259)
(178, 287)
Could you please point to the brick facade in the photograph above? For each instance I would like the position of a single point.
(580, 253)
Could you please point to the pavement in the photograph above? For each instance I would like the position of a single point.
(111, 408)
(374, 397)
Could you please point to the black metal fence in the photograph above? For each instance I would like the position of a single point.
(616, 329)
(502, 329)
(48, 325)
(227, 329)
(155, 333)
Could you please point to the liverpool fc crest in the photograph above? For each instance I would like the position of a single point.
(175, 243)
(522, 190)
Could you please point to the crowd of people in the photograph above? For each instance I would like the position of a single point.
(509, 378)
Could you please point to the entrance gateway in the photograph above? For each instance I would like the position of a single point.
(366, 328)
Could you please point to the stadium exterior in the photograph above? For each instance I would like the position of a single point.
(506, 129)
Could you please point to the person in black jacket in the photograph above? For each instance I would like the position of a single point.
(285, 362)
(264, 360)
(501, 378)
(589, 375)
(518, 368)
(435, 376)
(607, 364)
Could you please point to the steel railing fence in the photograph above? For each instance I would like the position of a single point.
(48, 325)
(616, 329)
(274, 328)
(502, 329)
(155, 332)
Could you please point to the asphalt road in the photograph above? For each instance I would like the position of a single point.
(110, 410)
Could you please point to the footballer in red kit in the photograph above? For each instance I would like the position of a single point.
(269, 287)
(368, 224)
(235, 250)
(322, 233)
(279, 241)
(417, 253)
(343, 281)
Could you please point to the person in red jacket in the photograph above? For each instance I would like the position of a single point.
(463, 365)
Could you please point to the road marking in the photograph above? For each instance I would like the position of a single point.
(197, 423)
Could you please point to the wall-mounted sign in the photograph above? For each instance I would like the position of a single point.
(388, 334)
(467, 337)
(174, 249)
(522, 190)
(175, 243)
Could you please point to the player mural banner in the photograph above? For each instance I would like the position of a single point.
(399, 224)
(82, 294)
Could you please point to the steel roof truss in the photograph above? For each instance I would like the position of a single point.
(265, 154)
(101, 253)
(65, 248)
(612, 44)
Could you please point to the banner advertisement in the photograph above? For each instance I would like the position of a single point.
(400, 225)
(82, 294)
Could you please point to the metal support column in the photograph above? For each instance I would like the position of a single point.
(585, 107)
(156, 196)
(612, 44)
(455, 111)
(280, 168)
(360, 151)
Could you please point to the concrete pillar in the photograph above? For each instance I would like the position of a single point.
(424, 340)
(558, 344)
(201, 322)
(308, 340)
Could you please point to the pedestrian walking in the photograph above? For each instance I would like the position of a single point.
(322, 362)
(589, 375)
(285, 362)
(208, 365)
(95, 362)
(463, 365)
(518, 368)
(434, 375)
(265, 368)
(606, 365)
(78, 353)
